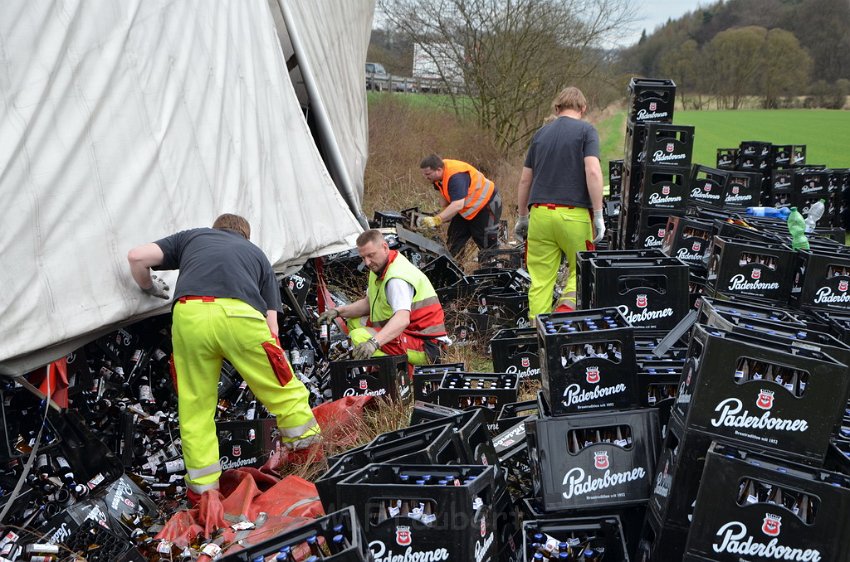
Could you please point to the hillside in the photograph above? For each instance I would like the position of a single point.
(821, 26)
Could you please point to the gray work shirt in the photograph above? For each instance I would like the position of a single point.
(556, 158)
(220, 263)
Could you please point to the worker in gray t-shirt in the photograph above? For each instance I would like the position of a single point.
(225, 307)
(560, 185)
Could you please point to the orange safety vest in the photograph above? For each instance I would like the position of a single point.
(480, 188)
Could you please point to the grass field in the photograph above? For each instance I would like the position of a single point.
(826, 133)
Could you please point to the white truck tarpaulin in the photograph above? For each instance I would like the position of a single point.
(123, 122)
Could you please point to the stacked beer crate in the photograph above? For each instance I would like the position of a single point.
(656, 165)
(789, 181)
(591, 450)
(741, 470)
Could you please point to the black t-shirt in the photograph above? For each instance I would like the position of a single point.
(556, 158)
(220, 263)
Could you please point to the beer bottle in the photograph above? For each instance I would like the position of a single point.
(747, 493)
(804, 509)
(620, 440)
(339, 544)
(651, 396)
(574, 444)
(742, 370)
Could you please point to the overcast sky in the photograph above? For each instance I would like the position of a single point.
(652, 13)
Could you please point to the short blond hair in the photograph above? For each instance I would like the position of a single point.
(235, 223)
(569, 98)
(372, 235)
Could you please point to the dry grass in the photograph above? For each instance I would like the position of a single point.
(383, 415)
(401, 134)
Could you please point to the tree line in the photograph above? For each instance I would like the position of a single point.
(776, 50)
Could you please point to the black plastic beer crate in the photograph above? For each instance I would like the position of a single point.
(754, 148)
(664, 187)
(469, 429)
(443, 272)
(838, 456)
(810, 183)
(587, 360)
(723, 314)
(668, 145)
(436, 445)
(780, 187)
(708, 186)
(649, 229)
(427, 378)
(677, 474)
(487, 391)
(511, 447)
(751, 505)
(338, 536)
(514, 351)
(427, 411)
(592, 460)
(743, 189)
(615, 177)
(585, 273)
(726, 159)
(651, 99)
(376, 376)
(759, 164)
(780, 155)
(688, 239)
(650, 293)
(246, 442)
(582, 538)
(660, 541)
(505, 306)
(739, 267)
(516, 412)
(502, 258)
(769, 396)
(417, 512)
(839, 325)
(631, 518)
(822, 281)
(299, 284)
(388, 219)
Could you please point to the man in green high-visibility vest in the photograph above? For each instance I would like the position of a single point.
(400, 314)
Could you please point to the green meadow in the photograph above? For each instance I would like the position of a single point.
(826, 133)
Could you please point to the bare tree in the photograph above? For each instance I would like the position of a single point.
(510, 56)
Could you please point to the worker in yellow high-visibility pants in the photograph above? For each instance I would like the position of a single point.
(559, 200)
(225, 307)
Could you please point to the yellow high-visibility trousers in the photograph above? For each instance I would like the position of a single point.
(204, 332)
(554, 232)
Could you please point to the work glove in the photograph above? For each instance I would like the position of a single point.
(365, 350)
(328, 316)
(159, 289)
(521, 227)
(598, 226)
(429, 222)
